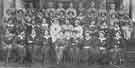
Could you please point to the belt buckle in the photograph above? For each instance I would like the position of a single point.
(86, 47)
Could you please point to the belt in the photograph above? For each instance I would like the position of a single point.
(87, 47)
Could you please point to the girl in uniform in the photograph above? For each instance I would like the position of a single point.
(61, 13)
(78, 29)
(71, 12)
(55, 28)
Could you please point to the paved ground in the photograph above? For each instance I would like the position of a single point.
(64, 66)
(14, 65)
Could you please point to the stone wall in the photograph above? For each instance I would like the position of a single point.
(133, 3)
(1, 10)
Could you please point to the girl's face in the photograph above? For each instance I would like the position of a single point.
(43, 10)
(44, 20)
(76, 23)
(67, 34)
(113, 16)
(87, 34)
(20, 13)
(51, 14)
(93, 23)
(117, 34)
(28, 18)
(10, 21)
(104, 23)
(61, 13)
(33, 17)
(61, 34)
(103, 14)
(8, 13)
(67, 22)
(19, 17)
(71, 13)
(115, 24)
(46, 33)
(56, 21)
(33, 22)
(40, 14)
(101, 35)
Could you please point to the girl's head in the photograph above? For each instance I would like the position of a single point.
(77, 22)
(101, 34)
(92, 23)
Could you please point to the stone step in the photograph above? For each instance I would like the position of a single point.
(130, 56)
(131, 52)
(130, 45)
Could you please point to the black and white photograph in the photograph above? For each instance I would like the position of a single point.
(67, 33)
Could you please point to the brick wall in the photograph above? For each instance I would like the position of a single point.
(1, 10)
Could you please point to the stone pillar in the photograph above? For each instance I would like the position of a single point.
(126, 4)
(8, 4)
(130, 8)
(133, 11)
(41, 3)
(1, 20)
(1, 10)
(19, 4)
